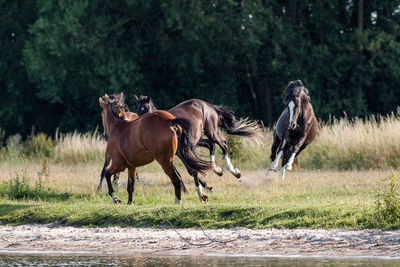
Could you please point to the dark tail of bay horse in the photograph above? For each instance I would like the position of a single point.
(186, 148)
(242, 127)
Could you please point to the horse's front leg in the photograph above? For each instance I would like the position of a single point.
(294, 153)
(199, 189)
(111, 191)
(280, 153)
(272, 163)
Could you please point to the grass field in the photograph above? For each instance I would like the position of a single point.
(345, 181)
(312, 199)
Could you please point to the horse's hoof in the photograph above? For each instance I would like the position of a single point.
(218, 171)
(130, 203)
(117, 201)
(237, 174)
(203, 198)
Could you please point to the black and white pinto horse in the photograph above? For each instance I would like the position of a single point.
(295, 129)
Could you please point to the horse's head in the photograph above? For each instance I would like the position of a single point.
(118, 106)
(144, 104)
(295, 95)
(113, 107)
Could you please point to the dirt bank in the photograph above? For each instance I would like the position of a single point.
(233, 241)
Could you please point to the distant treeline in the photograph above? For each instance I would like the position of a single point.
(58, 57)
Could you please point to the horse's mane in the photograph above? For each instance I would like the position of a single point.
(116, 101)
(296, 84)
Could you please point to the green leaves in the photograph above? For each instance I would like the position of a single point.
(58, 57)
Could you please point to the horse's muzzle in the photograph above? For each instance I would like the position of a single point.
(292, 127)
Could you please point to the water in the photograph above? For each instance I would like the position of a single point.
(56, 259)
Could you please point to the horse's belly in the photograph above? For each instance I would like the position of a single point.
(140, 158)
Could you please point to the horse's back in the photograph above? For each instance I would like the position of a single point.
(198, 112)
(189, 109)
(156, 131)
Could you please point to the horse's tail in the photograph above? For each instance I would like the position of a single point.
(242, 127)
(186, 148)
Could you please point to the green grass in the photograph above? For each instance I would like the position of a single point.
(306, 199)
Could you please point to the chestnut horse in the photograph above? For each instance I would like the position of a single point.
(295, 129)
(120, 109)
(205, 118)
(132, 144)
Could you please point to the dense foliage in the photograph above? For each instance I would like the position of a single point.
(58, 57)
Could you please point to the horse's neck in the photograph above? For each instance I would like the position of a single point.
(111, 121)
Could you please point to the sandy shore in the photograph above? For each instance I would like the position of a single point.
(167, 241)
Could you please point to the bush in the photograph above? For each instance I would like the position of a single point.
(387, 210)
(40, 145)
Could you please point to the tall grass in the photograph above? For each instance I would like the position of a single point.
(342, 144)
(356, 144)
(79, 148)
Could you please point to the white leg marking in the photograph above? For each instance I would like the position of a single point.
(114, 196)
(212, 160)
(177, 201)
(217, 169)
(283, 173)
(291, 107)
(199, 190)
(278, 157)
(290, 162)
(229, 164)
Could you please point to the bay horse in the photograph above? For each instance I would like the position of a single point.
(121, 110)
(132, 144)
(206, 118)
(295, 129)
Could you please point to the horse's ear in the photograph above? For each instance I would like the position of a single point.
(102, 103)
(148, 99)
(121, 95)
(136, 99)
(106, 97)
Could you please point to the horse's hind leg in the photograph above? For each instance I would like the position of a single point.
(176, 179)
(131, 183)
(211, 146)
(224, 146)
(103, 171)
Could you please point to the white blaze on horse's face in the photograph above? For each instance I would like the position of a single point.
(291, 106)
